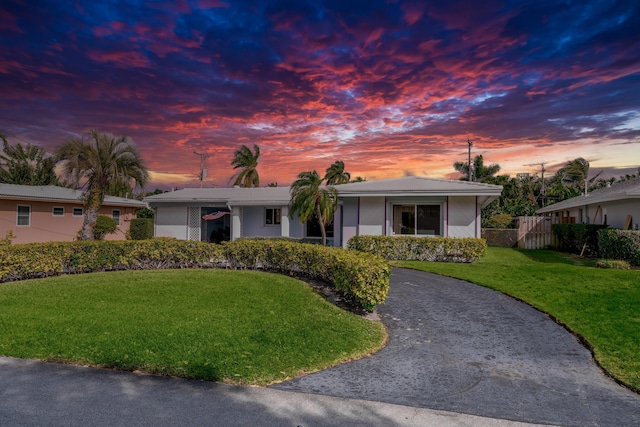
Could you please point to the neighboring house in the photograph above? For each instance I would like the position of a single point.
(50, 213)
(617, 206)
(410, 206)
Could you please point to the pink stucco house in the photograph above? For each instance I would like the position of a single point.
(50, 213)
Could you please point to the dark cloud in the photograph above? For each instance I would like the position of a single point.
(384, 85)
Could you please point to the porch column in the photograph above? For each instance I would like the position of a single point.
(236, 223)
(284, 221)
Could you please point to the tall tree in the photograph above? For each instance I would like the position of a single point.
(309, 199)
(481, 173)
(247, 161)
(26, 165)
(336, 174)
(97, 162)
(576, 173)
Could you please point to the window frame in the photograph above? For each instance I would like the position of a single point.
(18, 216)
(276, 217)
(116, 217)
(53, 211)
(416, 205)
(73, 212)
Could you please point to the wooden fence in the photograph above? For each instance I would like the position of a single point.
(534, 232)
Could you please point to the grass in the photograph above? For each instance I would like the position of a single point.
(600, 305)
(233, 326)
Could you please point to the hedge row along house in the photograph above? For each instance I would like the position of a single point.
(55, 214)
(412, 206)
(617, 206)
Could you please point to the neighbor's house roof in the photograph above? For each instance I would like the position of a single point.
(52, 193)
(618, 191)
(408, 186)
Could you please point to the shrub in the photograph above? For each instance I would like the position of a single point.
(573, 238)
(104, 225)
(406, 248)
(141, 229)
(620, 244)
(364, 277)
(499, 221)
(617, 264)
(45, 259)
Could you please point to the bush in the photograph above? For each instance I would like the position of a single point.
(364, 277)
(141, 229)
(447, 249)
(499, 221)
(620, 245)
(26, 261)
(104, 225)
(617, 264)
(573, 237)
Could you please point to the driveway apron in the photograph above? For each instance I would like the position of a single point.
(459, 347)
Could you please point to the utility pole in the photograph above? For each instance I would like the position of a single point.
(203, 171)
(470, 172)
(543, 187)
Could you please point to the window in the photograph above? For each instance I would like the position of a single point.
(78, 211)
(24, 215)
(416, 220)
(115, 214)
(58, 211)
(272, 216)
(313, 228)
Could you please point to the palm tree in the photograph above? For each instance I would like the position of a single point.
(576, 172)
(26, 165)
(243, 158)
(98, 162)
(309, 199)
(481, 173)
(336, 174)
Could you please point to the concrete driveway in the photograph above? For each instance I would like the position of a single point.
(459, 347)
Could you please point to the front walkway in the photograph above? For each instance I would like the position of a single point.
(459, 347)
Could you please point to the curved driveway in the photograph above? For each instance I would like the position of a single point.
(459, 347)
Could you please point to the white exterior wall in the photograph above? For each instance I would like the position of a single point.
(615, 211)
(372, 216)
(463, 217)
(253, 218)
(349, 219)
(171, 221)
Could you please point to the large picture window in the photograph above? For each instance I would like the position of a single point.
(313, 228)
(415, 220)
(271, 216)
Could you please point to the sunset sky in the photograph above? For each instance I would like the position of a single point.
(392, 88)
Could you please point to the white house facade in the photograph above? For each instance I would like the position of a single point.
(410, 206)
(617, 206)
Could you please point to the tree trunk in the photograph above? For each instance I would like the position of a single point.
(90, 218)
(321, 222)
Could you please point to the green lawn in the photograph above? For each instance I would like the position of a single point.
(601, 305)
(234, 326)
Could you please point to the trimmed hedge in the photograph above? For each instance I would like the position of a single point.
(32, 260)
(405, 248)
(572, 238)
(363, 277)
(141, 228)
(620, 244)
